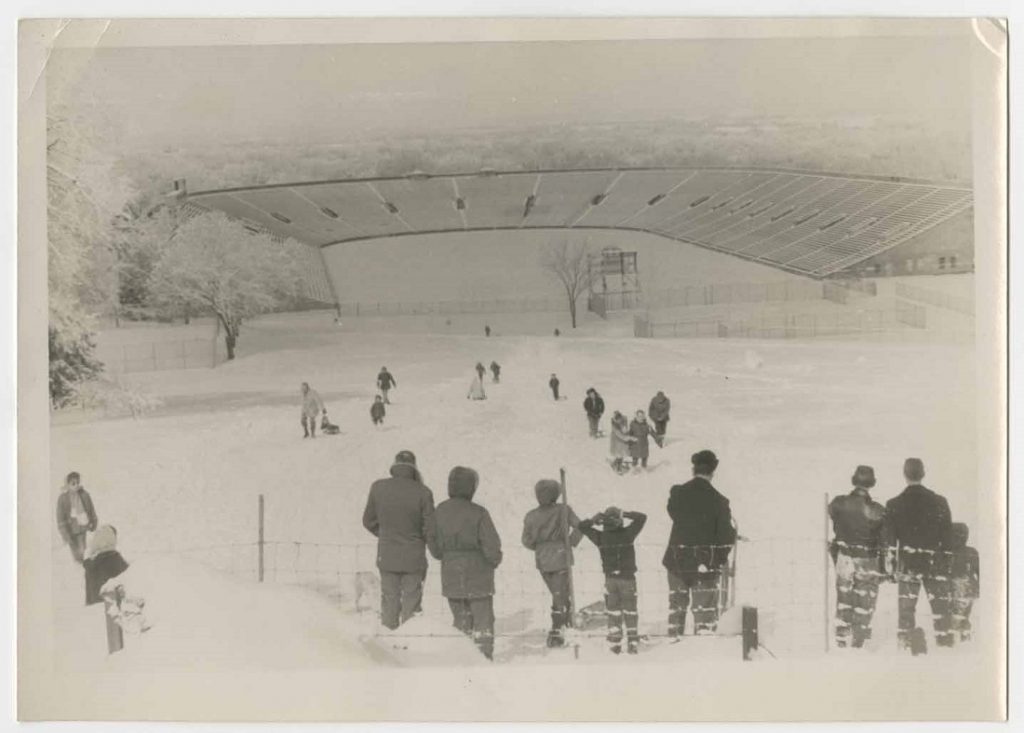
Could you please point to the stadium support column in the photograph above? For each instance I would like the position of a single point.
(330, 281)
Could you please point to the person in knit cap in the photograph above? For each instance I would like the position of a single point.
(551, 530)
(102, 562)
(965, 578)
(917, 528)
(312, 408)
(698, 547)
(399, 513)
(857, 552)
(615, 540)
(467, 544)
(76, 515)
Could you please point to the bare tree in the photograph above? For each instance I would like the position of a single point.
(214, 264)
(570, 263)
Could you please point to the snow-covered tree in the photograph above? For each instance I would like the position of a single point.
(213, 263)
(570, 263)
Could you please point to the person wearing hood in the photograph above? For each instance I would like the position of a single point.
(620, 440)
(658, 411)
(640, 448)
(76, 515)
(551, 530)
(398, 513)
(385, 382)
(917, 527)
(495, 372)
(476, 389)
(593, 405)
(702, 536)
(312, 408)
(467, 544)
(102, 562)
(857, 552)
(965, 578)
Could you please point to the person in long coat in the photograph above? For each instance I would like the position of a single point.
(640, 430)
(620, 441)
(467, 544)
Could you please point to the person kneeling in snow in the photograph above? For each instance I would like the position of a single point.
(618, 560)
(467, 544)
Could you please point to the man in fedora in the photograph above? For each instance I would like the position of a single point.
(857, 551)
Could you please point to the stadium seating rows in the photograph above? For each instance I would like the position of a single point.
(807, 223)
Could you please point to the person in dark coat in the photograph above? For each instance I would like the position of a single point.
(480, 370)
(398, 512)
(965, 577)
(76, 515)
(487, 330)
(467, 544)
(103, 563)
(618, 560)
(385, 382)
(551, 530)
(594, 407)
(377, 411)
(312, 408)
(658, 412)
(640, 430)
(702, 536)
(553, 383)
(916, 532)
(857, 552)
(495, 372)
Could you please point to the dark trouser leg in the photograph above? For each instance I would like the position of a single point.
(558, 583)
(705, 603)
(592, 423)
(630, 617)
(960, 609)
(312, 426)
(643, 461)
(390, 599)
(938, 591)
(384, 394)
(482, 612)
(305, 427)
(554, 391)
(678, 603)
(411, 589)
(866, 579)
(462, 616)
(613, 609)
(909, 588)
(77, 545)
(659, 426)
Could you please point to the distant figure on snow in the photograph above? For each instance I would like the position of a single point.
(639, 447)
(594, 407)
(487, 330)
(658, 411)
(312, 408)
(553, 383)
(495, 372)
(965, 575)
(377, 410)
(385, 382)
(557, 332)
(476, 389)
(75, 515)
(481, 370)
(327, 427)
(551, 530)
(620, 442)
(399, 513)
(467, 544)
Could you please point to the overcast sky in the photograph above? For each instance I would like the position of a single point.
(327, 93)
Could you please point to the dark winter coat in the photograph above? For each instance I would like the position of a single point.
(702, 529)
(544, 531)
(965, 568)
(385, 380)
(618, 556)
(553, 382)
(377, 410)
(65, 523)
(467, 544)
(398, 512)
(857, 523)
(641, 448)
(100, 569)
(594, 406)
(919, 523)
(659, 407)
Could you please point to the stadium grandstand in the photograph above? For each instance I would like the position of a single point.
(815, 225)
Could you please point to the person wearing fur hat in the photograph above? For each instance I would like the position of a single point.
(76, 515)
(102, 562)
(640, 448)
(620, 440)
(917, 528)
(551, 530)
(398, 513)
(467, 544)
(615, 540)
(593, 405)
(702, 536)
(964, 576)
(312, 407)
(857, 552)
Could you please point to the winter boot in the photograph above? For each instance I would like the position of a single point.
(633, 646)
(555, 637)
(616, 648)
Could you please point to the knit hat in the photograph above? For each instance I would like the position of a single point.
(913, 469)
(462, 482)
(864, 477)
(547, 491)
(704, 461)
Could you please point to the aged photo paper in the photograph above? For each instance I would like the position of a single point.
(638, 369)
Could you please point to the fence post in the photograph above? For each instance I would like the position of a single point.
(259, 544)
(828, 557)
(568, 550)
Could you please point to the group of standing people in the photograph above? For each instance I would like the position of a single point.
(913, 541)
(476, 387)
(630, 439)
(461, 535)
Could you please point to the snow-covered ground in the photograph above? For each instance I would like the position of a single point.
(788, 420)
